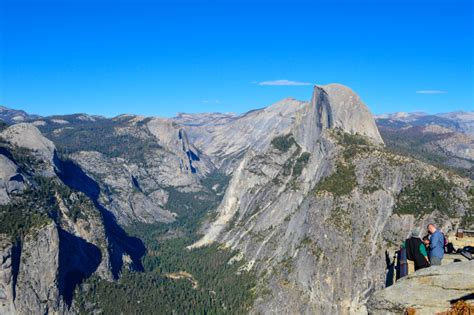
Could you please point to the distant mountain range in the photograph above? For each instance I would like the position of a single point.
(462, 121)
(443, 139)
(458, 121)
(12, 116)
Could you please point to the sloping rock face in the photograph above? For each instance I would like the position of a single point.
(428, 291)
(313, 210)
(320, 248)
(309, 123)
(127, 190)
(226, 140)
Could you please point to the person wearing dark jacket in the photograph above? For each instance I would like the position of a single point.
(416, 250)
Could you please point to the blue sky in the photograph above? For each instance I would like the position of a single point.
(163, 57)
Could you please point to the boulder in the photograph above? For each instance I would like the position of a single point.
(428, 291)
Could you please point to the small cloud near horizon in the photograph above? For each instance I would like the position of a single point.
(431, 92)
(283, 83)
(211, 101)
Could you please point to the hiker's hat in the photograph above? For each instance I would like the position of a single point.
(415, 232)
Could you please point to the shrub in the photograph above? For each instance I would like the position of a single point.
(341, 219)
(283, 143)
(300, 164)
(345, 138)
(339, 183)
(459, 308)
(426, 195)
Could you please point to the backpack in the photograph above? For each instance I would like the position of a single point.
(402, 266)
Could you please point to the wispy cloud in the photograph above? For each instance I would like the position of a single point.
(283, 83)
(431, 92)
(211, 101)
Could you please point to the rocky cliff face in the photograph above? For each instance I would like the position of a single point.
(314, 209)
(350, 113)
(7, 284)
(37, 290)
(135, 162)
(29, 283)
(303, 142)
(51, 237)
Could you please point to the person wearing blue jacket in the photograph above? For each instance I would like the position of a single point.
(436, 245)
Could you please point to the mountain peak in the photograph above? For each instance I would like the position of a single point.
(348, 112)
(334, 106)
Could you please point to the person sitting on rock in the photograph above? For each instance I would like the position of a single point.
(436, 245)
(417, 255)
